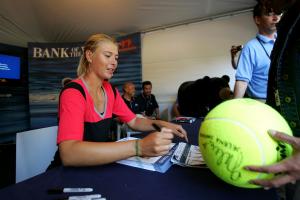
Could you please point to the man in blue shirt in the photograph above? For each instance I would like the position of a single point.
(148, 105)
(254, 63)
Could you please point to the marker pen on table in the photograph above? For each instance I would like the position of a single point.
(85, 197)
(68, 190)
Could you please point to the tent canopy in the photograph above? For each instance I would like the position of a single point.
(72, 21)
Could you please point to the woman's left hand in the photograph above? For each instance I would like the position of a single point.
(176, 129)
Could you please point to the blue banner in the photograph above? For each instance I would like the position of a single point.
(49, 63)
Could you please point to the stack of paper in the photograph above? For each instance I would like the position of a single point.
(188, 155)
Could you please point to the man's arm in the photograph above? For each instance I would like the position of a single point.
(233, 53)
(175, 111)
(239, 89)
(155, 104)
(156, 111)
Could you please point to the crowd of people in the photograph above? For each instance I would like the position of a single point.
(145, 103)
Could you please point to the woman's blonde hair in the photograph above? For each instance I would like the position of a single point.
(91, 44)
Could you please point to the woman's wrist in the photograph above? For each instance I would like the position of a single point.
(137, 147)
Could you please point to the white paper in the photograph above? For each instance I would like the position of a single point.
(140, 162)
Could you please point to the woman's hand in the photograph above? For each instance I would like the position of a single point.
(144, 124)
(176, 128)
(156, 143)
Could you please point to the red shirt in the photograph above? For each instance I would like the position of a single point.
(77, 114)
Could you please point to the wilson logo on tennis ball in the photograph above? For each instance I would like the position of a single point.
(283, 152)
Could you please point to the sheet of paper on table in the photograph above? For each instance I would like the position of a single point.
(159, 163)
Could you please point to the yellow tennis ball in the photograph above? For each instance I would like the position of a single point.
(234, 135)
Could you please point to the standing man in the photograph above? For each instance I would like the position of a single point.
(254, 63)
(129, 98)
(148, 105)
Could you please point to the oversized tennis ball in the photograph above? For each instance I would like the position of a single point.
(234, 135)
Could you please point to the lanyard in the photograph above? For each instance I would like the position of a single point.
(259, 40)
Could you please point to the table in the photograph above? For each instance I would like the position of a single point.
(115, 181)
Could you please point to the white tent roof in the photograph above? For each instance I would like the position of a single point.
(25, 21)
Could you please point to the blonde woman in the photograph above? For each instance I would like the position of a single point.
(85, 114)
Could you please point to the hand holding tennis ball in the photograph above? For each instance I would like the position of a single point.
(288, 169)
(235, 134)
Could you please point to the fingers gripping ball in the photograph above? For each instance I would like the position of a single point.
(234, 135)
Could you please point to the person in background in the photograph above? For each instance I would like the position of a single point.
(254, 62)
(85, 115)
(234, 55)
(284, 75)
(175, 112)
(148, 105)
(224, 93)
(129, 96)
(197, 98)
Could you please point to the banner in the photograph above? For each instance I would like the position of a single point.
(49, 63)
(130, 62)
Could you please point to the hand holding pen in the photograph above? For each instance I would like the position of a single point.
(176, 129)
(156, 143)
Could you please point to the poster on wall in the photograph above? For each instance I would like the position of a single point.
(49, 63)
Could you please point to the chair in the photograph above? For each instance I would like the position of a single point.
(35, 150)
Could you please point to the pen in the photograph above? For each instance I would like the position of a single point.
(68, 190)
(85, 197)
(156, 127)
